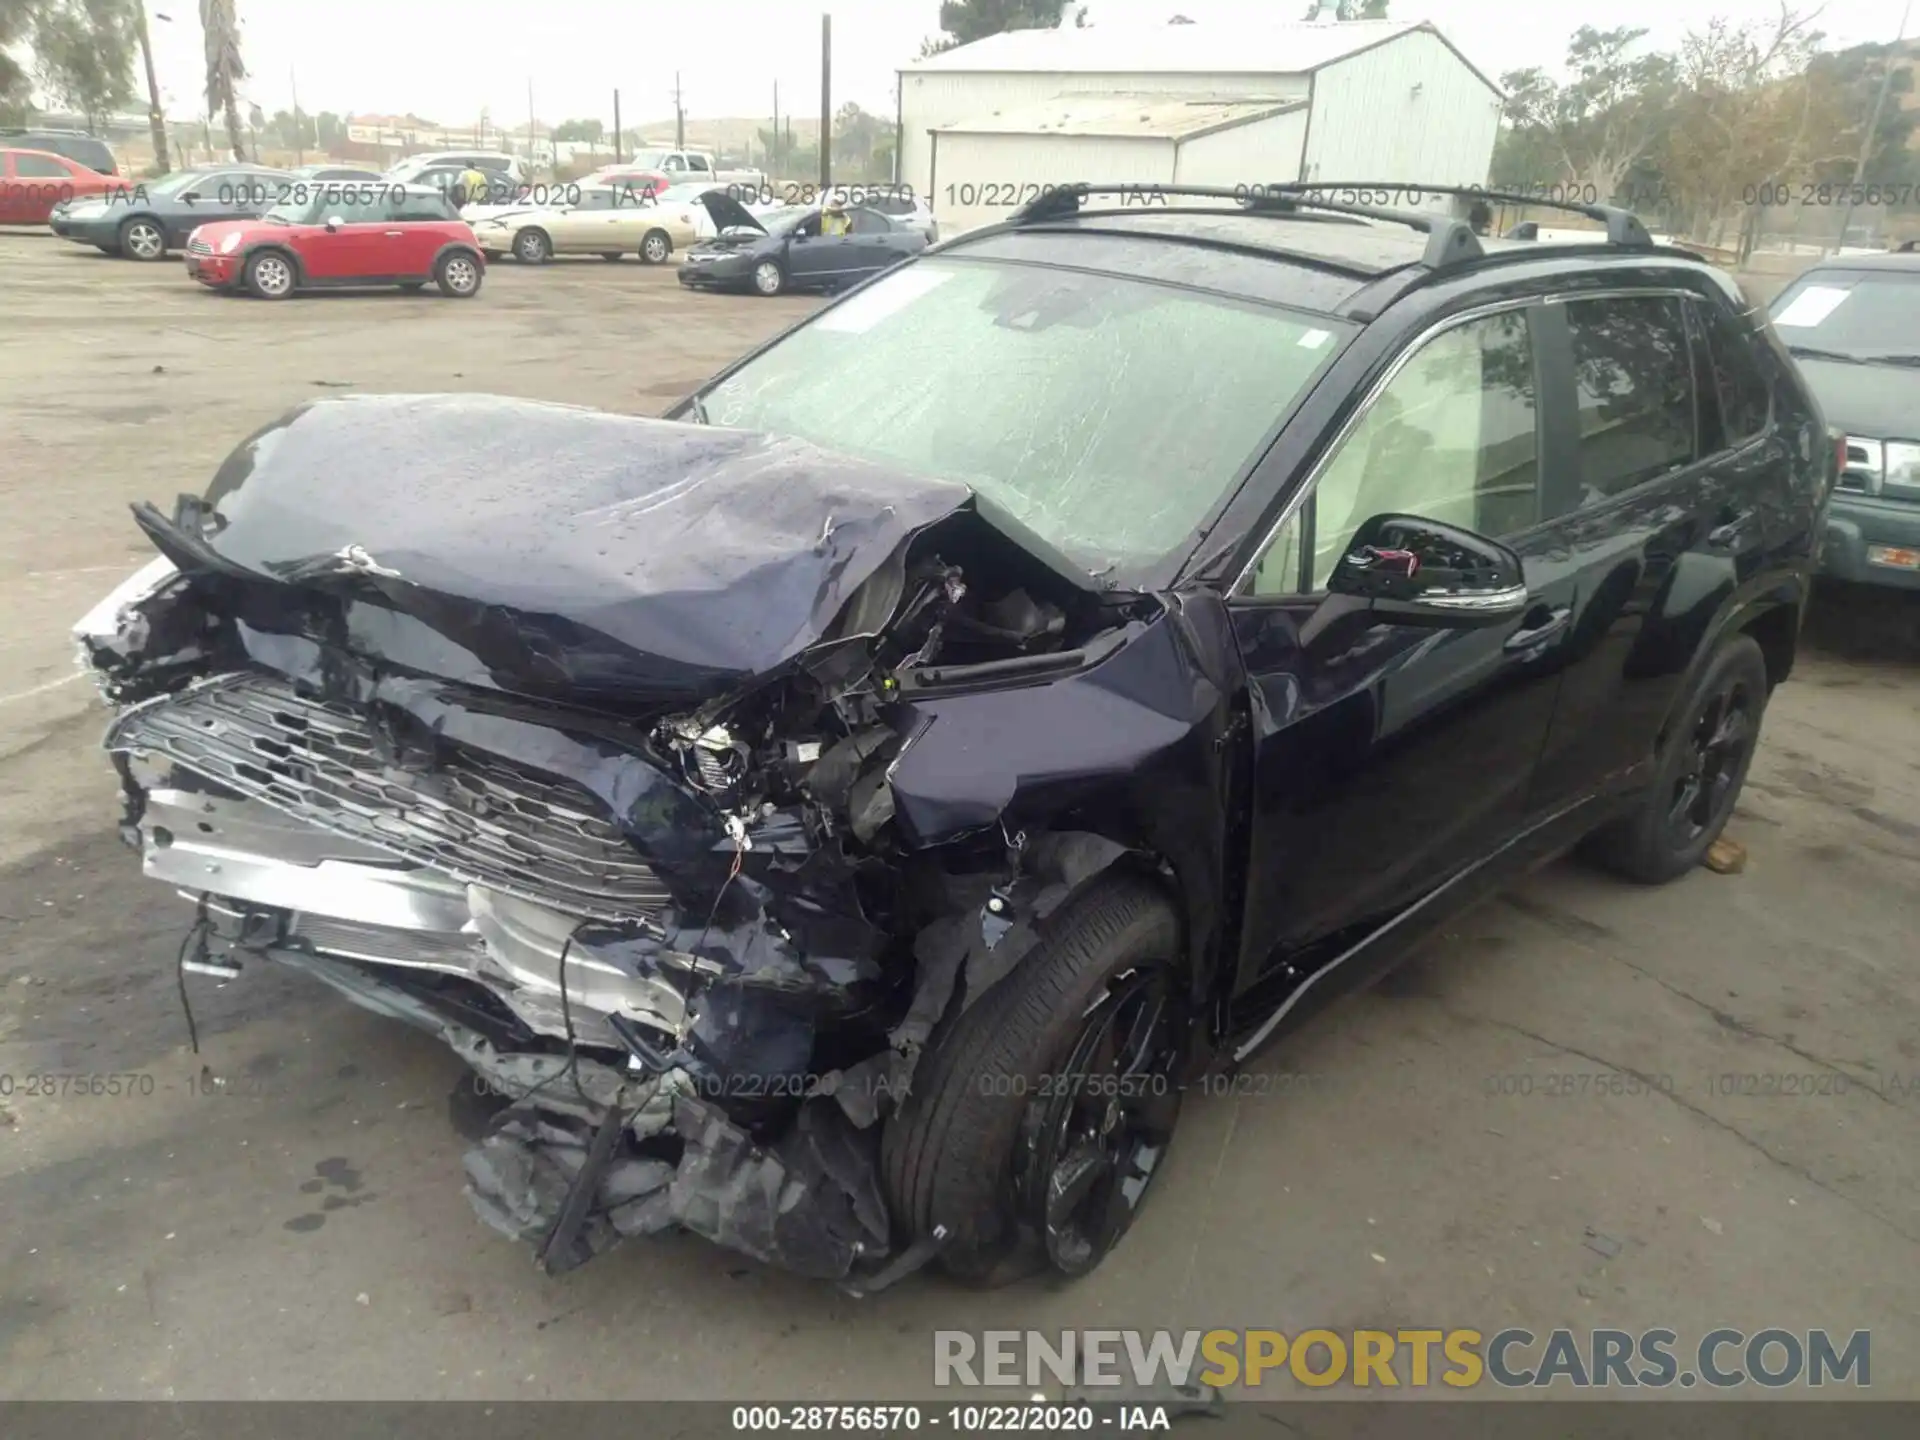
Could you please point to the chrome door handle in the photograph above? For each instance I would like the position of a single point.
(1550, 623)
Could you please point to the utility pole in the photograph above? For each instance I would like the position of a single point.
(616, 127)
(530, 123)
(156, 117)
(299, 121)
(826, 102)
(773, 150)
(1873, 128)
(679, 116)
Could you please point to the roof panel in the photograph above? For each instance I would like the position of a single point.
(1158, 117)
(1277, 49)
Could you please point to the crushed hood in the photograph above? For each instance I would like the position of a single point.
(545, 549)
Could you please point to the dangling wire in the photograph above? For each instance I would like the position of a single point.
(196, 939)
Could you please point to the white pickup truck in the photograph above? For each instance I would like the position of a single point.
(659, 169)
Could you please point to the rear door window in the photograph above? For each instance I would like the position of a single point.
(1635, 394)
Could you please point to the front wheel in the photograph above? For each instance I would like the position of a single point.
(532, 247)
(269, 275)
(143, 239)
(458, 275)
(769, 278)
(1047, 1109)
(1701, 767)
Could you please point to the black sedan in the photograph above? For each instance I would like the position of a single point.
(784, 249)
(146, 220)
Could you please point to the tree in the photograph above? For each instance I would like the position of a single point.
(856, 137)
(591, 132)
(293, 130)
(17, 19)
(220, 29)
(1749, 113)
(1594, 127)
(964, 21)
(83, 55)
(329, 130)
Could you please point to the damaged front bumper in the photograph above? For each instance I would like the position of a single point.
(497, 909)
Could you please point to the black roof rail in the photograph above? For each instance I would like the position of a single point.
(1449, 241)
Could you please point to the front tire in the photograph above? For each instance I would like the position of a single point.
(1701, 767)
(1047, 1108)
(532, 247)
(143, 239)
(269, 275)
(655, 247)
(458, 276)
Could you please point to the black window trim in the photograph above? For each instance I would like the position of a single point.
(1238, 592)
(1703, 311)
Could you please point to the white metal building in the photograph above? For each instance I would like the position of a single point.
(984, 125)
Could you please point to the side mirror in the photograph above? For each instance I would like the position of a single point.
(1414, 571)
(334, 222)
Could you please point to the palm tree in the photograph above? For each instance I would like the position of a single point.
(221, 28)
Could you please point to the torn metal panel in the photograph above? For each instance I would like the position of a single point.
(810, 1204)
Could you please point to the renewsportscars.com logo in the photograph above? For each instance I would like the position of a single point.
(1385, 1359)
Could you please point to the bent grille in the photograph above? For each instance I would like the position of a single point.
(478, 818)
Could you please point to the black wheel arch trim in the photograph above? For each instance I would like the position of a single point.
(458, 247)
(1748, 605)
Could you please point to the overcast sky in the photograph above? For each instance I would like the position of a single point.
(447, 61)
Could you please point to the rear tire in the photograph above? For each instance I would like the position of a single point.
(983, 1132)
(1701, 767)
(458, 275)
(655, 247)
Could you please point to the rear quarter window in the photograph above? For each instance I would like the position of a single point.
(1746, 399)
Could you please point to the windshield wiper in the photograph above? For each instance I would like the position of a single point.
(699, 410)
(1895, 359)
(1808, 352)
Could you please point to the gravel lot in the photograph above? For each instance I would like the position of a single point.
(305, 1234)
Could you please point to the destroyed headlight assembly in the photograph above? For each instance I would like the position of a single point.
(114, 626)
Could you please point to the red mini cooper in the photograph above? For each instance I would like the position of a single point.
(336, 235)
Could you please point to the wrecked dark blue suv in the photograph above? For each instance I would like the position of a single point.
(845, 816)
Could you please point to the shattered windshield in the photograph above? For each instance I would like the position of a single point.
(1107, 414)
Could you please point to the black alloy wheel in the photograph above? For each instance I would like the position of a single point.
(1092, 1148)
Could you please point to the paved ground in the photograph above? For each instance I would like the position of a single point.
(304, 1233)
